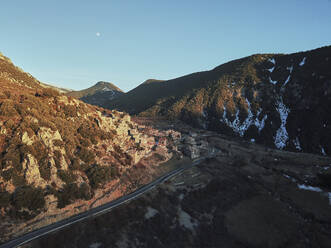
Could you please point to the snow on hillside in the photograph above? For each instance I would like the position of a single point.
(281, 134)
(241, 128)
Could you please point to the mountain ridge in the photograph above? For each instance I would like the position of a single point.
(248, 89)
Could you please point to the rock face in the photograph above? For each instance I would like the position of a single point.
(99, 94)
(31, 171)
(281, 101)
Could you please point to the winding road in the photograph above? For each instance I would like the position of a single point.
(95, 211)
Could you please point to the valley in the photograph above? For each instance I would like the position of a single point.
(235, 156)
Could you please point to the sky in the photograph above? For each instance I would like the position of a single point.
(76, 43)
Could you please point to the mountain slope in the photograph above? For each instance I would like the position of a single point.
(61, 90)
(98, 94)
(57, 154)
(278, 100)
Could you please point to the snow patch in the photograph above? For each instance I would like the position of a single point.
(303, 61)
(272, 60)
(106, 89)
(181, 196)
(296, 142)
(260, 123)
(241, 128)
(310, 188)
(272, 81)
(281, 134)
(95, 245)
(151, 212)
(290, 68)
(315, 189)
(289, 177)
(287, 80)
(186, 220)
(253, 140)
(271, 70)
(204, 113)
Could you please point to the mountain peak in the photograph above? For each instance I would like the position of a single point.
(98, 94)
(102, 84)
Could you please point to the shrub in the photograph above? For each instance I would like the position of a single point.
(5, 198)
(10, 124)
(13, 155)
(49, 92)
(57, 158)
(70, 110)
(77, 165)
(59, 143)
(98, 175)
(7, 108)
(7, 174)
(18, 180)
(69, 193)
(86, 155)
(45, 169)
(85, 192)
(29, 197)
(67, 176)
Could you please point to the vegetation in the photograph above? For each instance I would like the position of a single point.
(28, 197)
(30, 117)
(99, 175)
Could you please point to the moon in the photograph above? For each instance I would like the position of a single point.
(97, 34)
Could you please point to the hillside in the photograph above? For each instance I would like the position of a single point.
(278, 100)
(242, 196)
(59, 89)
(99, 94)
(58, 154)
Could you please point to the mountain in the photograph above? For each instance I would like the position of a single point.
(279, 100)
(59, 155)
(98, 94)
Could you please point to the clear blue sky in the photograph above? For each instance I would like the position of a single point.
(75, 43)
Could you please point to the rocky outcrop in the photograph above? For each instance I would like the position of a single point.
(31, 172)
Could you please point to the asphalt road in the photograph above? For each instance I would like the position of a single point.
(95, 211)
